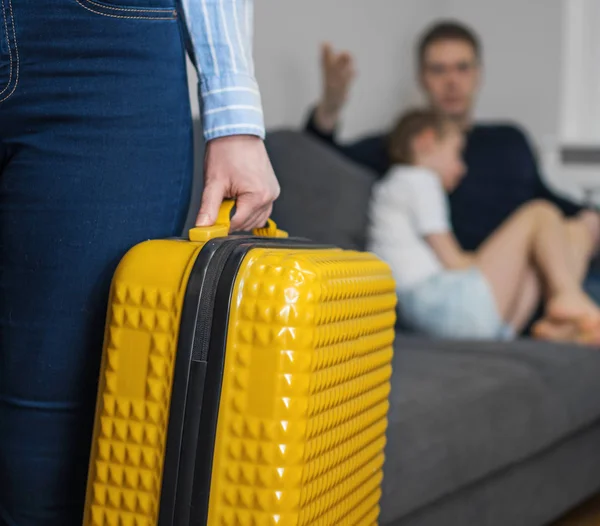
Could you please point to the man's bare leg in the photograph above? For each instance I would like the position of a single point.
(583, 234)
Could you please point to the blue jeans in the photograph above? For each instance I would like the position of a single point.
(95, 156)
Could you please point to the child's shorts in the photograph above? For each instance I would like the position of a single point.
(454, 304)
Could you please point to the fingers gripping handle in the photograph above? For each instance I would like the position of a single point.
(223, 224)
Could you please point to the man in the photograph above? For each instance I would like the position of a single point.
(502, 172)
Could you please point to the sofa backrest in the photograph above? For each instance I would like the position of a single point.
(324, 197)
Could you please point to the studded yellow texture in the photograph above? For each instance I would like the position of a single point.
(135, 385)
(303, 414)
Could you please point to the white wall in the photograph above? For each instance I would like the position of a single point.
(580, 122)
(522, 57)
(522, 45)
(379, 33)
(523, 69)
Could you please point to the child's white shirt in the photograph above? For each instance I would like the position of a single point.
(407, 205)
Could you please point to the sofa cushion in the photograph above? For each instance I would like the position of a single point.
(324, 197)
(463, 411)
(535, 491)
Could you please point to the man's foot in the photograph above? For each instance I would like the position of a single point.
(573, 307)
(555, 331)
(590, 331)
(585, 331)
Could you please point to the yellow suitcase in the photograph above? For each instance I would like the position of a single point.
(244, 382)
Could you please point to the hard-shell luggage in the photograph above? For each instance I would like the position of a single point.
(244, 382)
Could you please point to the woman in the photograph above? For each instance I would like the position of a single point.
(96, 156)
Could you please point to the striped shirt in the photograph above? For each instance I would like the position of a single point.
(220, 43)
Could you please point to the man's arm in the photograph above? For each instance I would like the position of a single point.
(337, 73)
(313, 127)
(236, 165)
(569, 208)
(370, 152)
(584, 218)
(337, 70)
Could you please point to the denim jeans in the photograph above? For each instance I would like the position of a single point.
(95, 156)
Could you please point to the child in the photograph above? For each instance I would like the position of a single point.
(492, 293)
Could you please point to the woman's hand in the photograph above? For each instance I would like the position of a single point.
(238, 167)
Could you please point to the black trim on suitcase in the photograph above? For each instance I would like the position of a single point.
(198, 375)
(188, 384)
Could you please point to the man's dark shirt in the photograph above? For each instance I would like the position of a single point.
(502, 174)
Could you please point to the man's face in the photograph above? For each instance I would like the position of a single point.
(450, 76)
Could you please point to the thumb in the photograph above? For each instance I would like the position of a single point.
(212, 198)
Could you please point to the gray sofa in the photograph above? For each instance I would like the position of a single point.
(480, 434)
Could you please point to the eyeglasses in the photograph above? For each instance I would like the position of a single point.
(445, 69)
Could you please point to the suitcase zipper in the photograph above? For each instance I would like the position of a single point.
(189, 383)
(197, 389)
(207, 301)
(202, 335)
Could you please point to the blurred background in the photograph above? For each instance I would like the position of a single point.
(541, 62)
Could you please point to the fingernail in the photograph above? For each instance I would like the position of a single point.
(203, 220)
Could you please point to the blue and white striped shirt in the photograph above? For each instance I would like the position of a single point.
(220, 33)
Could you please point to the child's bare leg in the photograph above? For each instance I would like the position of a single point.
(534, 233)
(526, 302)
(505, 259)
(582, 234)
